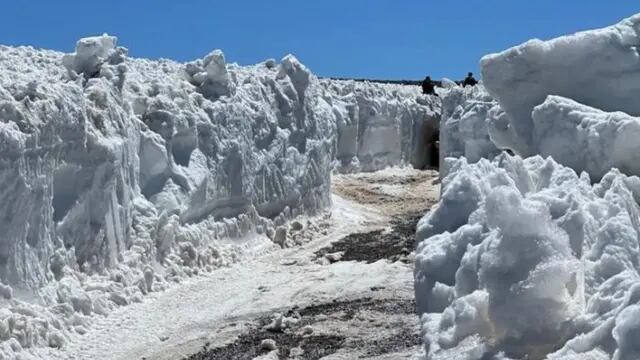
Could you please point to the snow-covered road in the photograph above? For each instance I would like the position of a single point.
(214, 308)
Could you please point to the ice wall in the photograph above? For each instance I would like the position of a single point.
(598, 68)
(381, 125)
(467, 114)
(526, 258)
(103, 155)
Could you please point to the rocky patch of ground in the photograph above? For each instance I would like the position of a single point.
(395, 244)
(327, 329)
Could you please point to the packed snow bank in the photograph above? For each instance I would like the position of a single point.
(381, 125)
(598, 68)
(120, 176)
(464, 125)
(585, 138)
(101, 158)
(525, 257)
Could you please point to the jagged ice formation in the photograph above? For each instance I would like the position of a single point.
(465, 124)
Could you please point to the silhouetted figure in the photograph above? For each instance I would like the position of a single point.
(469, 81)
(434, 151)
(427, 87)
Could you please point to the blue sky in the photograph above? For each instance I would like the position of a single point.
(392, 39)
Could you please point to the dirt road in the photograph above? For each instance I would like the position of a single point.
(344, 291)
(378, 325)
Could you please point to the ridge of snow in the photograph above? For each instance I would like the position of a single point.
(585, 138)
(465, 125)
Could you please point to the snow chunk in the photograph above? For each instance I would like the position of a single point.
(585, 138)
(6, 291)
(448, 83)
(598, 68)
(268, 344)
(280, 323)
(91, 53)
(215, 80)
(533, 255)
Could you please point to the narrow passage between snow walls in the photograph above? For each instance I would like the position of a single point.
(122, 178)
(352, 282)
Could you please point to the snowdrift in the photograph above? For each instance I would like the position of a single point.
(121, 176)
(598, 68)
(525, 257)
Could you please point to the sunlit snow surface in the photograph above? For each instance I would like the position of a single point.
(467, 114)
(539, 258)
(522, 256)
(598, 68)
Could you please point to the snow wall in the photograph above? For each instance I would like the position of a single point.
(598, 68)
(384, 125)
(526, 258)
(91, 146)
(121, 176)
(539, 258)
(107, 155)
(586, 138)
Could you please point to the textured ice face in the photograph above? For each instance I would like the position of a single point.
(467, 114)
(525, 257)
(381, 125)
(598, 68)
(585, 138)
(94, 148)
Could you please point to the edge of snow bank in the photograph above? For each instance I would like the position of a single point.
(597, 68)
(525, 257)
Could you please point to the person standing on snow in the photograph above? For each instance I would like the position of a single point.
(469, 81)
(427, 87)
